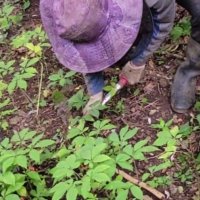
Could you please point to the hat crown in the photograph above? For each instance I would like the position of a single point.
(81, 20)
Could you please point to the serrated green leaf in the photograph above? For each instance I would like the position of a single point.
(34, 176)
(98, 149)
(72, 193)
(59, 190)
(101, 158)
(166, 155)
(36, 139)
(9, 178)
(26, 4)
(22, 84)
(145, 176)
(35, 155)
(86, 187)
(122, 157)
(101, 177)
(33, 61)
(149, 149)
(29, 135)
(11, 189)
(6, 156)
(54, 77)
(163, 138)
(101, 168)
(123, 132)
(137, 192)
(117, 185)
(12, 86)
(122, 195)
(160, 167)
(12, 197)
(31, 70)
(22, 192)
(174, 131)
(73, 132)
(126, 165)
(128, 150)
(21, 161)
(5, 143)
(114, 138)
(138, 155)
(130, 134)
(45, 143)
(140, 144)
(61, 153)
(78, 100)
(62, 82)
(7, 163)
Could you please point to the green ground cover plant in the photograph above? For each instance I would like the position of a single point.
(181, 29)
(80, 158)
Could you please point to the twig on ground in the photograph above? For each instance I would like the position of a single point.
(143, 185)
(180, 57)
(40, 88)
(28, 98)
(151, 104)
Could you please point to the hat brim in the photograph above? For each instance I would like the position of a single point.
(110, 47)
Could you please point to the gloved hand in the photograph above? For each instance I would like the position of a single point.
(93, 99)
(133, 73)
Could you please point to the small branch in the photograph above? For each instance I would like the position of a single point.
(26, 95)
(40, 88)
(143, 185)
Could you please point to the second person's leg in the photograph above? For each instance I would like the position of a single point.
(184, 85)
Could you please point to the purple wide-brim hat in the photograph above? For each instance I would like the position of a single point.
(75, 47)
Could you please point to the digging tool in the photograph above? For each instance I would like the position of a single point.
(122, 83)
(131, 74)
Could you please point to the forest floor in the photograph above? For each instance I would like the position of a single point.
(139, 106)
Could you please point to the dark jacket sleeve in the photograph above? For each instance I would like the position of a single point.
(163, 14)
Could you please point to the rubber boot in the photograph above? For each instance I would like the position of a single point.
(184, 85)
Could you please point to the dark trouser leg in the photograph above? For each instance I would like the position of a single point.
(183, 88)
(94, 82)
(193, 7)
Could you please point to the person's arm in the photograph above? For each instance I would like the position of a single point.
(163, 14)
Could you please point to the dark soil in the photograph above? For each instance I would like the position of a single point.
(155, 87)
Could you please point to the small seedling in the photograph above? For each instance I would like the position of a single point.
(78, 100)
(26, 4)
(6, 67)
(3, 87)
(61, 78)
(185, 176)
(7, 19)
(161, 181)
(136, 92)
(144, 101)
(4, 113)
(120, 107)
(183, 28)
(111, 89)
(169, 137)
(27, 37)
(26, 72)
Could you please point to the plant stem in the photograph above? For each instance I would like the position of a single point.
(143, 185)
(40, 88)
